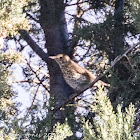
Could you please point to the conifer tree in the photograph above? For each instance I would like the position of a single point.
(100, 32)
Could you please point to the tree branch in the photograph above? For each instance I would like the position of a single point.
(117, 59)
(33, 45)
(77, 3)
(29, 109)
(31, 17)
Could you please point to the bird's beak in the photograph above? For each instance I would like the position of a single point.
(52, 57)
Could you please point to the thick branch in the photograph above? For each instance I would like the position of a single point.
(33, 45)
(117, 59)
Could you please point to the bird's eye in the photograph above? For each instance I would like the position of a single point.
(60, 57)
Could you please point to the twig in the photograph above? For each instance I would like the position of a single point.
(31, 17)
(77, 3)
(29, 109)
(117, 59)
(40, 80)
(81, 59)
(34, 67)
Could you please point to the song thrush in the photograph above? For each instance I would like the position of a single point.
(76, 76)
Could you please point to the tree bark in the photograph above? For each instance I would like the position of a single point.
(52, 20)
(118, 47)
(119, 29)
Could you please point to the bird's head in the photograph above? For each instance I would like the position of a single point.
(61, 59)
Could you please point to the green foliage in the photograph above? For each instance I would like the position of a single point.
(109, 125)
(60, 132)
(107, 39)
(105, 31)
(96, 4)
(8, 108)
(11, 16)
(126, 81)
(10, 136)
(4, 87)
(135, 12)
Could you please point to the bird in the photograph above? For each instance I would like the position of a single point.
(75, 75)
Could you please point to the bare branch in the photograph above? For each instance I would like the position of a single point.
(29, 109)
(33, 45)
(40, 80)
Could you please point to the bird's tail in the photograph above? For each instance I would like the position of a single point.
(101, 83)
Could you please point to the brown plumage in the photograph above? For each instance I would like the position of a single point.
(76, 76)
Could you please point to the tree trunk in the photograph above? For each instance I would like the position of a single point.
(119, 29)
(52, 20)
(118, 47)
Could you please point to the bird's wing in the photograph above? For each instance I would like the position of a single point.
(77, 67)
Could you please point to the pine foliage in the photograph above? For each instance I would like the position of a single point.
(8, 107)
(61, 132)
(109, 125)
(12, 18)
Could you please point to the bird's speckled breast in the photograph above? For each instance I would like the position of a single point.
(73, 78)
